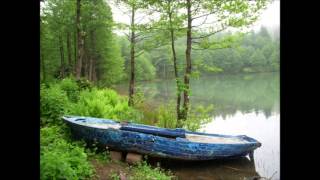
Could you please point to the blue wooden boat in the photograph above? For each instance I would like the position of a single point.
(160, 142)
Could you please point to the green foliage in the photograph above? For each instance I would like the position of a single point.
(138, 98)
(145, 171)
(111, 69)
(166, 116)
(48, 135)
(256, 53)
(104, 103)
(251, 52)
(53, 103)
(60, 159)
(84, 84)
(114, 176)
(198, 116)
(70, 86)
(101, 46)
(102, 157)
(144, 68)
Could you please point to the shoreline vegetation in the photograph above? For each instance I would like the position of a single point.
(208, 75)
(69, 96)
(64, 158)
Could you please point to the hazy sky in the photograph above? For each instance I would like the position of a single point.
(270, 16)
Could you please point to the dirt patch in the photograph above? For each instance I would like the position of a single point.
(105, 170)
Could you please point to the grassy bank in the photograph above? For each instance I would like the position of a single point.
(63, 158)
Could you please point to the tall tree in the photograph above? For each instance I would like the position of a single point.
(58, 20)
(188, 64)
(62, 64)
(42, 61)
(227, 13)
(136, 35)
(70, 64)
(174, 26)
(168, 28)
(132, 55)
(80, 41)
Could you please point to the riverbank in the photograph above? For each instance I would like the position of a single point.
(117, 170)
(61, 156)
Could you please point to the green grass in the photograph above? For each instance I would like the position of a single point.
(60, 158)
(145, 171)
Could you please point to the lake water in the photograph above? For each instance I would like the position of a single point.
(243, 104)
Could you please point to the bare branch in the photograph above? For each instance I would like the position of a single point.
(138, 35)
(212, 12)
(122, 11)
(128, 36)
(205, 20)
(142, 38)
(197, 8)
(210, 34)
(140, 53)
(141, 18)
(226, 47)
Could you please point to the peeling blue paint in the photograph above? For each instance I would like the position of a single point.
(159, 142)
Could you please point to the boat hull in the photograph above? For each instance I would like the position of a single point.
(160, 146)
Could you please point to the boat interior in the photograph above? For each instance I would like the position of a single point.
(213, 139)
(188, 136)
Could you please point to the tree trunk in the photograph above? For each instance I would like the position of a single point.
(188, 65)
(75, 52)
(62, 66)
(79, 42)
(86, 60)
(90, 68)
(175, 68)
(69, 53)
(94, 72)
(93, 55)
(132, 55)
(43, 67)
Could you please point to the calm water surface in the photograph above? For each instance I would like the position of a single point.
(243, 104)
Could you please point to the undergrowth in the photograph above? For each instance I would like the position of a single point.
(61, 157)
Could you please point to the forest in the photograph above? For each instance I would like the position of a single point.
(84, 53)
(253, 51)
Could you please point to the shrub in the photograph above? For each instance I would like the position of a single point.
(166, 117)
(84, 84)
(145, 171)
(71, 87)
(49, 134)
(114, 176)
(198, 115)
(53, 103)
(104, 103)
(138, 98)
(60, 159)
